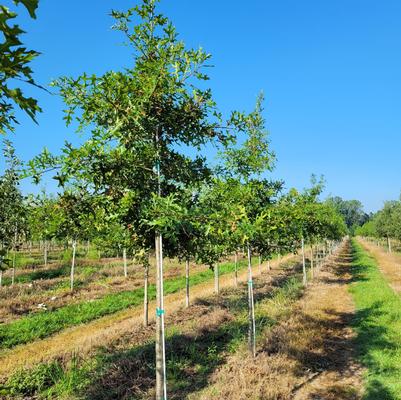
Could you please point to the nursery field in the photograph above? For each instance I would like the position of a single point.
(336, 338)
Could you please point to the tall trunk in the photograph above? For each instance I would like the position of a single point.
(145, 293)
(389, 244)
(236, 269)
(161, 384)
(312, 266)
(216, 279)
(304, 278)
(125, 262)
(74, 246)
(187, 283)
(260, 264)
(251, 309)
(87, 246)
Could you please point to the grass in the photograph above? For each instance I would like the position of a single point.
(191, 357)
(41, 325)
(378, 327)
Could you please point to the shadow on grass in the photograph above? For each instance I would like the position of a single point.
(191, 358)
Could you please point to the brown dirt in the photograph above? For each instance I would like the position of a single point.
(85, 338)
(389, 264)
(309, 355)
(21, 299)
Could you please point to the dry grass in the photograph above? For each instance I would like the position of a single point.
(21, 299)
(389, 264)
(309, 355)
(104, 331)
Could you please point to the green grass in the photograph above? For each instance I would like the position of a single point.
(378, 328)
(190, 360)
(43, 324)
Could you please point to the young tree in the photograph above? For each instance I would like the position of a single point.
(12, 207)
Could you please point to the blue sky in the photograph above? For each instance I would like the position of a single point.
(330, 71)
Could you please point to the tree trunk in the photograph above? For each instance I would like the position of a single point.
(74, 246)
(45, 252)
(13, 270)
(125, 262)
(312, 266)
(145, 293)
(389, 245)
(251, 309)
(187, 283)
(216, 279)
(161, 384)
(236, 269)
(304, 277)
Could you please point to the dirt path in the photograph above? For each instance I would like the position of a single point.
(309, 355)
(389, 264)
(83, 339)
(324, 318)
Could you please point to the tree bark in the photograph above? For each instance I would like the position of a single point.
(187, 283)
(216, 279)
(74, 246)
(145, 293)
(13, 270)
(389, 245)
(161, 384)
(45, 252)
(251, 309)
(125, 262)
(312, 266)
(304, 277)
(236, 269)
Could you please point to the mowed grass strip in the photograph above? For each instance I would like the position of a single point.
(378, 327)
(39, 326)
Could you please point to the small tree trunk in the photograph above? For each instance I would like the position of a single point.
(312, 266)
(251, 309)
(87, 246)
(125, 262)
(187, 283)
(74, 246)
(13, 270)
(389, 245)
(145, 293)
(161, 383)
(45, 252)
(304, 277)
(236, 269)
(216, 279)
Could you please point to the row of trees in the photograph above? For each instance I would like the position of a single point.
(385, 224)
(141, 180)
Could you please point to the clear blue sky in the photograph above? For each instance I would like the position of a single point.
(330, 70)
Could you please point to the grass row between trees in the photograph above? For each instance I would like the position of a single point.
(378, 327)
